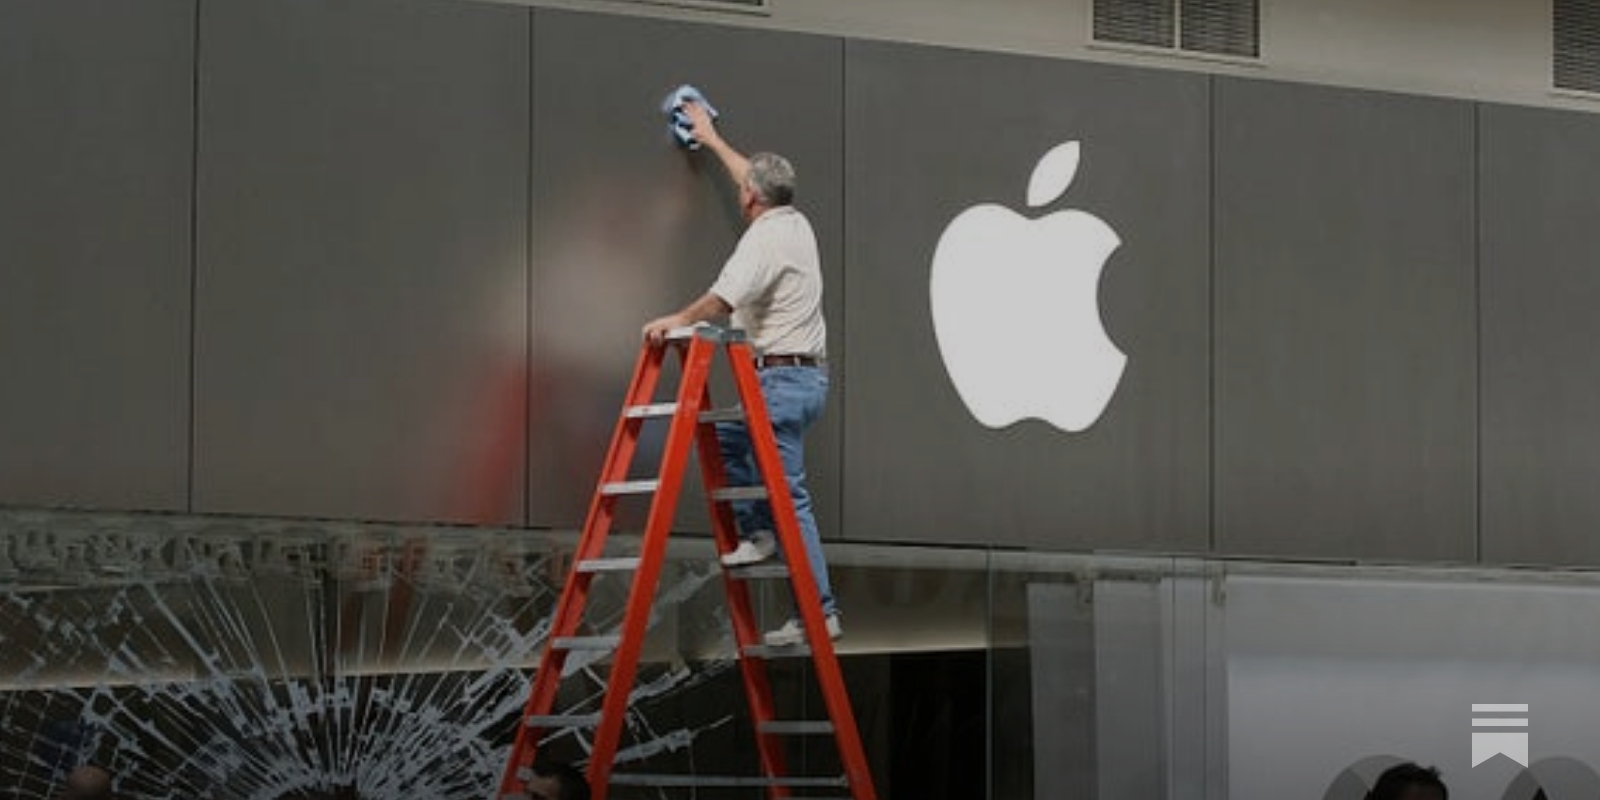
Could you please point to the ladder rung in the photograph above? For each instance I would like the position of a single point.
(760, 571)
(729, 414)
(588, 642)
(630, 487)
(658, 410)
(798, 726)
(609, 564)
(787, 651)
(728, 493)
(641, 779)
(562, 720)
(650, 410)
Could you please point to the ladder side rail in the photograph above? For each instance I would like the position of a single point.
(696, 359)
(574, 592)
(764, 448)
(625, 437)
(808, 600)
(746, 631)
(619, 458)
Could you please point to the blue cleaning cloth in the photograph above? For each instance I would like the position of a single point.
(677, 121)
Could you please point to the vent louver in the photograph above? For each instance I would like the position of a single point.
(1221, 27)
(1227, 27)
(1577, 45)
(1146, 22)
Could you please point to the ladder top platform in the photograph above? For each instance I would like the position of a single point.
(703, 330)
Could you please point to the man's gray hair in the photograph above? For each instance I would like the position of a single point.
(771, 179)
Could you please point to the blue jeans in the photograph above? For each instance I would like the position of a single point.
(795, 397)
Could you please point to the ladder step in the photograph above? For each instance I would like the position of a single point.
(798, 726)
(728, 493)
(760, 571)
(562, 721)
(623, 564)
(588, 642)
(641, 779)
(729, 414)
(659, 410)
(650, 410)
(630, 487)
(765, 651)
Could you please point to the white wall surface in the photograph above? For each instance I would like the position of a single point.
(1325, 673)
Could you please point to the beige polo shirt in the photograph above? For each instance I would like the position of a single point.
(773, 281)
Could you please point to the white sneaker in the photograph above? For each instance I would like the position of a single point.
(759, 547)
(793, 632)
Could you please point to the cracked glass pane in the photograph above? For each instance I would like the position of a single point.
(270, 659)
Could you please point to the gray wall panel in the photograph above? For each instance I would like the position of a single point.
(95, 150)
(361, 299)
(364, 298)
(1345, 363)
(1541, 382)
(628, 227)
(932, 132)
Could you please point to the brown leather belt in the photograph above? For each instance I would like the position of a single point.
(787, 360)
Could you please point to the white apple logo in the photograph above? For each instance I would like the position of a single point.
(1016, 307)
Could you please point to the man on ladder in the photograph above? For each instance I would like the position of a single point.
(772, 287)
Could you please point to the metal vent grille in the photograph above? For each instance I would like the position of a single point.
(1227, 27)
(1223, 27)
(1146, 22)
(744, 6)
(1577, 45)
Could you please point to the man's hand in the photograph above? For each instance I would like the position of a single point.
(657, 329)
(700, 124)
(707, 307)
(703, 129)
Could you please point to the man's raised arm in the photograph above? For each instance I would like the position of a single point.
(705, 131)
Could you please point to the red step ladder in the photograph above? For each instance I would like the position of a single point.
(692, 421)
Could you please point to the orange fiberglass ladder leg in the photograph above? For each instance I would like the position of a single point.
(692, 421)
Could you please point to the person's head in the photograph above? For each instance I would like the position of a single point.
(557, 780)
(768, 183)
(1409, 781)
(88, 782)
